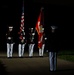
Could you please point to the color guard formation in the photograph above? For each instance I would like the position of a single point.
(23, 41)
(40, 29)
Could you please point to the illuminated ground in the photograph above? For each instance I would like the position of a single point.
(33, 66)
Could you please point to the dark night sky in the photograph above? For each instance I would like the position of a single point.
(58, 13)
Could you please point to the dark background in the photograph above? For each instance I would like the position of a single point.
(59, 13)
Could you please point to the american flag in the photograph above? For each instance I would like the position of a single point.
(39, 26)
(22, 22)
(22, 16)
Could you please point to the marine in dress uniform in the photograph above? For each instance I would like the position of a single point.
(41, 50)
(22, 42)
(31, 43)
(9, 37)
(53, 47)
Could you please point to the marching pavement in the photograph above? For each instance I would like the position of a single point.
(33, 66)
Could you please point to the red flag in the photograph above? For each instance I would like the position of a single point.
(39, 30)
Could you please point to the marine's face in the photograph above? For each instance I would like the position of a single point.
(10, 29)
(31, 29)
(53, 29)
(42, 29)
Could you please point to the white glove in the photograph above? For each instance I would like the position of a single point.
(45, 38)
(33, 33)
(9, 38)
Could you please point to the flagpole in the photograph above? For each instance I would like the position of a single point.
(23, 3)
(42, 14)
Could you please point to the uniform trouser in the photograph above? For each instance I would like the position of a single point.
(41, 51)
(9, 49)
(21, 50)
(53, 61)
(31, 47)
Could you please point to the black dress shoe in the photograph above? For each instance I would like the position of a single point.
(21, 57)
(52, 71)
(40, 56)
(30, 57)
(9, 57)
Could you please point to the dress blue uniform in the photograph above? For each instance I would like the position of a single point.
(22, 43)
(53, 47)
(41, 50)
(31, 42)
(9, 36)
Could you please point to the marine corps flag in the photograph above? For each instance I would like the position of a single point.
(39, 26)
